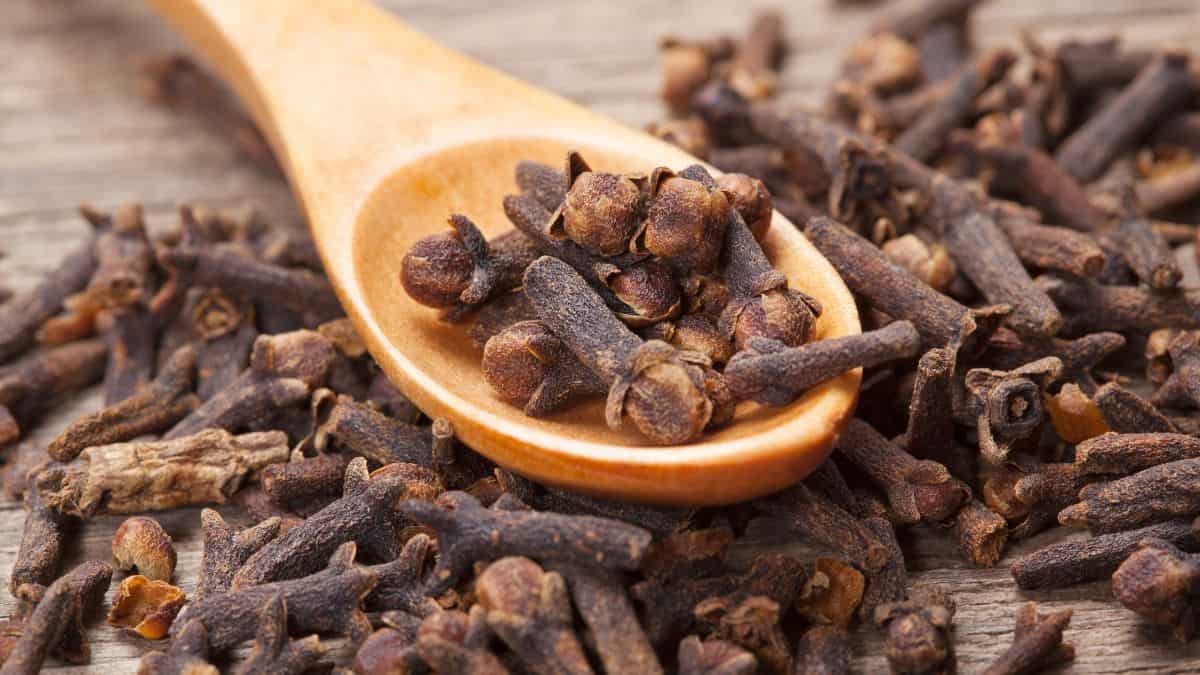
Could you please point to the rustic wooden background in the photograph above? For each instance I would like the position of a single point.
(73, 128)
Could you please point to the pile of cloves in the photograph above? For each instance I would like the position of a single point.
(1016, 238)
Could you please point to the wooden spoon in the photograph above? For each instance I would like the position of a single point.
(384, 133)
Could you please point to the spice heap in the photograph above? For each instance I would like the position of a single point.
(641, 287)
(1029, 363)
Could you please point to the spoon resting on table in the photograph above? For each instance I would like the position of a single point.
(383, 133)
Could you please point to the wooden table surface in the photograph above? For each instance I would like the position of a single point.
(73, 128)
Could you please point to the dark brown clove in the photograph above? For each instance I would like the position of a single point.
(813, 516)
(1032, 494)
(306, 478)
(159, 405)
(916, 489)
(141, 543)
(918, 632)
(891, 289)
(134, 477)
(1072, 562)
(283, 370)
(25, 313)
(295, 289)
(42, 539)
(226, 550)
(467, 533)
(359, 429)
(454, 642)
(1124, 454)
(131, 334)
(750, 199)
(460, 270)
(1181, 387)
(1127, 413)
(641, 373)
(1091, 307)
(546, 184)
(1160, 583)
(1034, 177)
(925, 137)
(400, 584)
(1161, 88)
(530, 611)
(1151, 495)
(1037, 643)
(527, 365)
(600, 598)
(31, 387)
(762, 304)
(325, 602)
(56, 624)
(1053, 248)
(273, 651)
(364, 515)
(753, 623)
(1006, 407)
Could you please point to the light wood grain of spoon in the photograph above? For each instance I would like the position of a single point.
(383, 133)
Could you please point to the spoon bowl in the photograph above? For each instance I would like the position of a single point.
(383, 134)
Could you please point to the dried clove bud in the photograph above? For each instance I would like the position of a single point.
(56, 624)
(365, 514)
(146, 607)
(283, 370)
(42, 539)
(141, 543)
(762, 304)
(893, 290)
(1160, 90)
(772, 374)
(527, 365)
(1127, 413)
(685, 221)
(31, 387)
(1091, 307)
(1037, 643)
(305, 478)
(187, 654)
(916, 489)
(601, 210)
(813, 516)
(1181, 388)
(453, 642)
(544, 183)
(467, 533)
(918, 633)
(1071, 562)
(226, 550)
(1124, 454)
(241, 276)
(1151, 495)
(130, 334)
(158, 406)
(153, 475)
(925, 137)
(981, 533)
(24, 314)
(273, 652)
(530, 611)
(460, 270)
(1053, 248)
(714, 657)
(752, 623)
(325, 602)
(600, 598)
(1160, 582)
(751, 199)
(1006, 407)
(1032, 493)
(658, 387)
(400, 584)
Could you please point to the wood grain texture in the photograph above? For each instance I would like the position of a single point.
(73, 128)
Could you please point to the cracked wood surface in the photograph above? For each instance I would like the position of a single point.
(73, 128)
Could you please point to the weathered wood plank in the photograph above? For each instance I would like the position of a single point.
(72, 128)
